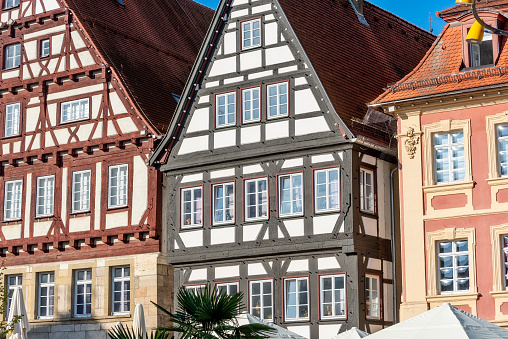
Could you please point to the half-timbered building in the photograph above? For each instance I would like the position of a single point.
(275, 182)
(84, 91)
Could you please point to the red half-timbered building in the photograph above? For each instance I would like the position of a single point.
(86, 89)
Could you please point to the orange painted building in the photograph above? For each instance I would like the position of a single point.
(452, 113)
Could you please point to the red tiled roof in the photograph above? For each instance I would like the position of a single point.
(440, 71)
(354, 61)
(150, 44)
(480, 4)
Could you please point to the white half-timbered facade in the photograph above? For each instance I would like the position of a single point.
(267, 188)
(80, 227)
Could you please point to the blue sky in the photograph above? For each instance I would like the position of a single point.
(416, 12)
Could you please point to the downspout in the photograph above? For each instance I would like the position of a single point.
(394, 266)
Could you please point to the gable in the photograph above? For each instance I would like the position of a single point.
(27, 8)
(252, 96)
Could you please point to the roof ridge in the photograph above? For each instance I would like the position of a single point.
(403, 21)
(420, 64)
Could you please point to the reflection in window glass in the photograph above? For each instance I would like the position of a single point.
(291, 194)
(297, 298)
(261, 299)
(449, 157)
(453, 259)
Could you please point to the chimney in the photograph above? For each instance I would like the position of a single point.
(358, 4)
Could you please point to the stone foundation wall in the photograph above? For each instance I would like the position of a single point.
(151, 279)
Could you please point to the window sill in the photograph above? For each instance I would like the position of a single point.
(324, 212)
(268, 118)
(191, 228)
(77, 214)
(226, 126)
(245, 49)
(11, 69)
(498, 181)
(371, 213)
(296, 321)
(73, 121)
(290, 216)
(252, 220)
(10, 8)
(117, 208)
(454, 186)
(467, 296)
(332, 318)
(499, 294)
(87, 319)
(39, 217)
(10, 136)
(12, 221)
(223, 225)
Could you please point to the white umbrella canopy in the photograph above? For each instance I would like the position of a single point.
(20, 328)
(445, 321)
(353, 333)
(281, 332)
(138, 324)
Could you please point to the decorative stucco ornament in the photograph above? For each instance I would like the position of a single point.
(411, 142)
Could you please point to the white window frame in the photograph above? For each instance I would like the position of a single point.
(251, 103)
(10, 289)
(500, 152)
(449, 146)
(85, 283)
(327, 184)
(297, 300)
(47, 183)
(365, 198)
(475, 51)
(291, 194)
(278, 105)
(83, 106)
(228, 286)
(455, 267)
(50, 307)
(44, 46)
(12, 56)
(259, 201)
(123, 280)
(194, 288)
(262, 293)
(11, 4)
(12, 119)
(83, 191)
(193, 202)
(122, 186)
(504, 250)
(251, 30)
(333, 290)
(224, 199)
(369, 299)
(13, 206)
(225, 107)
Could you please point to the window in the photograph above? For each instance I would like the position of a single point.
(256, 199)
(225, 109)
(277, 96)
(291, 194)
(11, 119)
(505, 261)
(453, 258)
(372, 299)
(74, 110)
(81, 191)
(44, 48)
(45, 193)
(192, 206)
(251, 33)
(117, 196)
(502, 148)
(195, 288)
(449, 165)
(12, 199)
(230, 288)
(251, 104)
(482, 54)
(223, 203)
(261, 299)
(121, 290)
(46, 295)
(13, 282)
(12, 56)
(326, 189)
(297, 298)
(11, 3)
(332, 296)
(83, 293)
(367, 200)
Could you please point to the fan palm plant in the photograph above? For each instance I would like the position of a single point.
(211, 314)
(121, 332)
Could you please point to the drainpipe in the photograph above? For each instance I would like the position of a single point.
(394, 266)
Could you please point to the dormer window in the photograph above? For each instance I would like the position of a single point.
(482, 54)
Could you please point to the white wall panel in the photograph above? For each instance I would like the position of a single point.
(56, 42)
(261, 9)
(252, 169)
(86, 58)
(370, 225)
(271, 34)
(229, 172)
(373, 264)
(250, 60)
(195, 144)
(140, 189)
(198, 274)
(305, 102)
(116, 103)
(192, 239)
(12, 232)
(322, 158)
(251, 231)
(224, 139)
(251, 134)
(277, 130)
(127, 125)
(258, 75)
(41, 228)
(295, 227)
(223, 66)
(311, 125)
(299, 265)
(77, 40)
(223, 235)
(293, 163)
(304, 331)
(230, 43)
(81, 224)
(324, 224)
(192, 178)
(31, 50)
(328, 331)
(118, 219)
(278, 55)
(328, 263)
(256, 269)
(222, 272)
